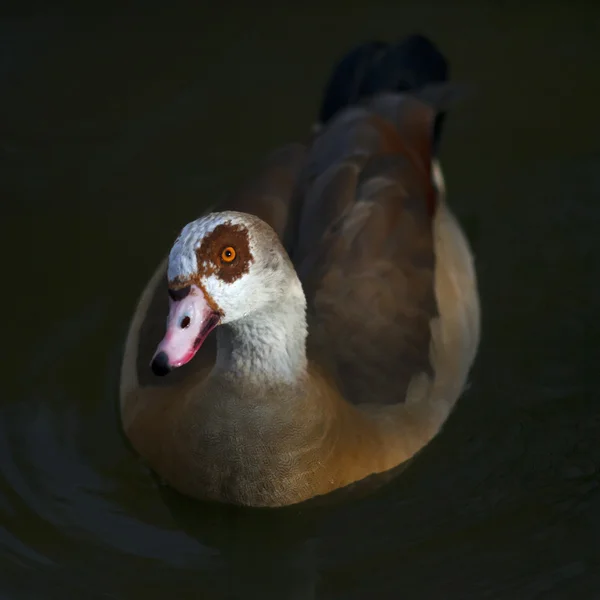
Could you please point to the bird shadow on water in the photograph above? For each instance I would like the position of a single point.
(267, 552)
(264, 553)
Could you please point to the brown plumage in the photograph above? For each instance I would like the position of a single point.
(392, 315)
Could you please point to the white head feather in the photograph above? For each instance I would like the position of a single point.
(269, 279)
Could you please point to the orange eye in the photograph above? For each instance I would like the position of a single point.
(228, 255)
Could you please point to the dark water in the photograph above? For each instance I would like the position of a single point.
(116, 131)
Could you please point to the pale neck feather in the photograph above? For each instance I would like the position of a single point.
(268, 345)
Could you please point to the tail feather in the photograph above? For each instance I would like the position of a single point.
(345, 85)
(376, 67)
(409, 65)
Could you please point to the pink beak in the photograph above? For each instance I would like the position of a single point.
(190, 321)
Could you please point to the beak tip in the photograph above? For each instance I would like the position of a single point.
(160, 364)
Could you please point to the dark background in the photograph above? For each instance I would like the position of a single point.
(117, 130)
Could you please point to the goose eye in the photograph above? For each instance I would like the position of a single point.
(228, 254)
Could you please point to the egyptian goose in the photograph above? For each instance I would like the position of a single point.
(322, 323)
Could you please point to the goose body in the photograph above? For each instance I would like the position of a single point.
(343, 299)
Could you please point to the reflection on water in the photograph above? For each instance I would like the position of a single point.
(122, 130)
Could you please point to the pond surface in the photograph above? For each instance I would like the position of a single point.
(117, 131)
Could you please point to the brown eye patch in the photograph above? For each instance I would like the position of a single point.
(225, 252)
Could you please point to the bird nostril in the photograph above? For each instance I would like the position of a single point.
(185, 323)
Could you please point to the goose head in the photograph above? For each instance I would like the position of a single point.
(222, 268)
